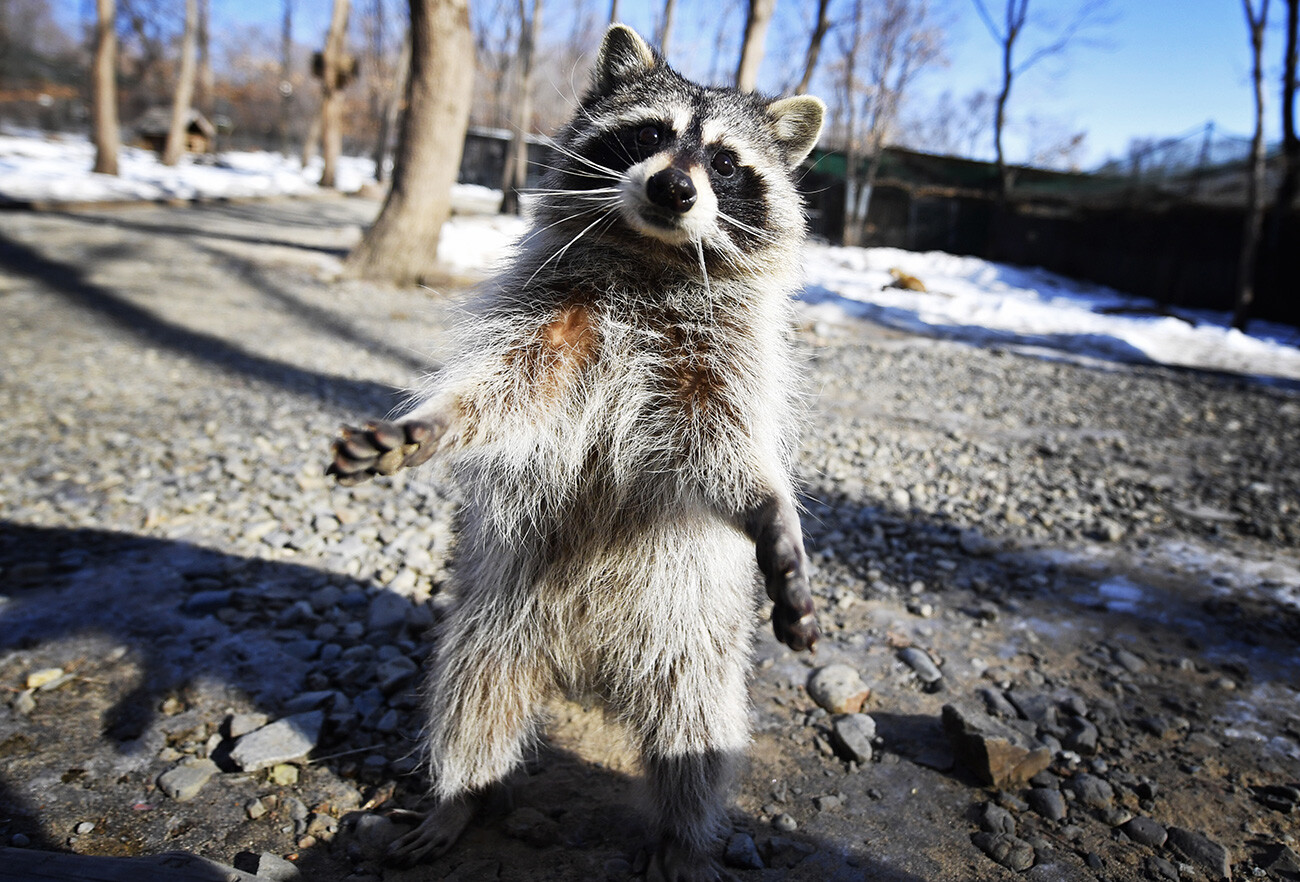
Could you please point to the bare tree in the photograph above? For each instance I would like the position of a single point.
(335, 71)
(1008, 33)
(183, 98)
(286, 84)
(205, 87)
(1257, 21)
(820, 28)
(613, 11)
(515, 173)
(1290, 185)
(666, 27)
(104, 79)
(754, 45)
(402, 245)
(392, 106)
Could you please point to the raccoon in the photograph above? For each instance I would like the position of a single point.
(621, 417)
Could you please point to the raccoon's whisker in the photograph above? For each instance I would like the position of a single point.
(574, 173)
(704, 270)
(578, 214)
(561, 252)
(573, 154)
(765, 235)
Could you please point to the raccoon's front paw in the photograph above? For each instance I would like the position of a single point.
(674, 861)
(794, 621)
(436, 834)
(381, 448)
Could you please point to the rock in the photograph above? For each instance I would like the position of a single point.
(288, 739)
(255, 809)
(239, 725)
(992, 818)
(785, 823)
(1005, 849)
(183, 782)
(827, 803)
(920, 662)
(373, 834)
(996, 753)
(1081, 736)
(1047, 802)
(395, 673)
(1280, 860)
(996, 703)
(852, 735)
(742, 853)
(267, 866)
(838, 689)
(202, 603)
(23, 703)
(1093, 792)
(84, 827)
(784, 852)
(44, 677)
(387, 612)
(1128, 661)
(1159, 868)
(1279, 797)
(1199, 849)
(284, 774)
(1145, 831)
(976, 544)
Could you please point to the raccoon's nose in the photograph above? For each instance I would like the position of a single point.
(672, 189)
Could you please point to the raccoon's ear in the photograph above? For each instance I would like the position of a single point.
(797, 122)
(623, 55)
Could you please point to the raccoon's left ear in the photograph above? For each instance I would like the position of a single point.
(623, 55)
(797, 122)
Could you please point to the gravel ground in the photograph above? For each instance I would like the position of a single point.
(1062, 599)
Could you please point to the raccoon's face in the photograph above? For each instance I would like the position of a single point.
(653, 156)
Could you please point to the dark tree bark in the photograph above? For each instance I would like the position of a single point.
(666, 27)
(515, 173)
(820, 29)
(1257, 20)
(334, 74)
(1290, 185)
(402, 245)
(104, 85)
(183, 97)
(755, 43)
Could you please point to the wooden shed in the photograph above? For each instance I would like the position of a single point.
(152, 126)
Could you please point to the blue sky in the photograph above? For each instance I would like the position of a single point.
(1164, 67)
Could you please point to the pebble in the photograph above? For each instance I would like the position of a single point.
(373, 834)
(1200, 849)
(838, 689)
(84, 827)
(993, 818)
(1145, 832)
(183, 782)
(1009, 851)
(996, 753)
(1093, 792)
(1047, 802)
(785, 823)
(852, 735)
(43, 678)
(920, 662)
(288, 739)
(741, 852)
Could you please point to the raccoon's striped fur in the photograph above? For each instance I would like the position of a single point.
(620, 417)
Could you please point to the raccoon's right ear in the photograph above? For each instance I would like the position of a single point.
(623, 55)
(797, 123)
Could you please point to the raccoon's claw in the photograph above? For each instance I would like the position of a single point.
(381, 448)
(794, 622)
(781, 558)
(437, 832)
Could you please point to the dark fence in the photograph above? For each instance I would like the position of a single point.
(1178, 254)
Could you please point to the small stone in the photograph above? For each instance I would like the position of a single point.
(975, 543)
(1200, 849)
(387, 612)
(20, 840)
(920, 662)
(1145, 831)
(1082, 737)
(995, 819)
(373, 834)
(742, 853)
(996, 753)
(270, 866)
(84, 827)
(23, 703)
(838, 689)
(1093, 792)
(202, 603)
(1159, 868)
(283, 774)
(183, 782)
(785, 823)
(827, 803)
(1047, 802)
(1009, 851)
(852, 735)
(1128, 661)
(255, 809)
(43, 677)
(239, 725)
(288, 739)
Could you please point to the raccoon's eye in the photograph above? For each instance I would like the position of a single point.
(724, 163)
(649, 136)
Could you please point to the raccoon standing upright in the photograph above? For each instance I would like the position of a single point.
(620, 416)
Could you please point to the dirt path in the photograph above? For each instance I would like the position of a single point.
(1104, 559)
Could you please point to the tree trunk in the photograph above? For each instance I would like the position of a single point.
(286, 84)
(515, 173)
(1000, 118)
(402, 245)
(1290, 185)
(1255, 183)
(104, 84)
(751, 51)
(392, 106)
(613, 11)
(815, 46)
(183, 98)
(205, 93)
(666, 30)
(332, 82)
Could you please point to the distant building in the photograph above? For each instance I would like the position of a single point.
(152, 127)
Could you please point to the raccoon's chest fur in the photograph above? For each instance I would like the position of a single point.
(605, 413)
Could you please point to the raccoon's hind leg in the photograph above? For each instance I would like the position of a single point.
(778, 540)
(482, 697)
(382, 448)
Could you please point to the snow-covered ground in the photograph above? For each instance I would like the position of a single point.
(966, 298)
